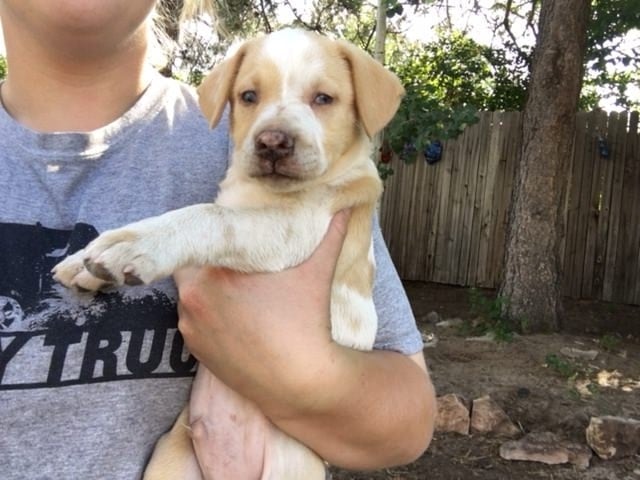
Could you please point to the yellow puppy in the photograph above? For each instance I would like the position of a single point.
(303, 111)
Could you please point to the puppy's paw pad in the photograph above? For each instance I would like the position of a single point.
(123, 262)
(85, 282)
(67, 270)
(71, 273)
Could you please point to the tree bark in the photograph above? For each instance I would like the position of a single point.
(532, 271)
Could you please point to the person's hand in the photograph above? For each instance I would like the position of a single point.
(267, 336)
(257, 328)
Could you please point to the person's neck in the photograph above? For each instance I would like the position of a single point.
(49, 93)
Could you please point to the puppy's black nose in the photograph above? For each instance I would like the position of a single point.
(273, 145)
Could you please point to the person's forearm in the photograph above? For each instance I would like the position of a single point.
(379, 414)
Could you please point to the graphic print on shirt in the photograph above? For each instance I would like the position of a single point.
(50, 336)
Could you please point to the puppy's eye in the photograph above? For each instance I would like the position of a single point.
(249, 96)
(323, 99)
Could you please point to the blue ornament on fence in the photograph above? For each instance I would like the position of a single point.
(603, 147)
(408, 152)
(433, 152)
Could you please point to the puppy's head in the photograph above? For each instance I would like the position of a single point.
(300, 104)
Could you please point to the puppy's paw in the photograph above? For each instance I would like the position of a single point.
(72, 273)
(125, 257)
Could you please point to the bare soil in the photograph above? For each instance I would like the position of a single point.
(538, 394)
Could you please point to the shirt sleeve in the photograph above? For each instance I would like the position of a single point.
(397, 328)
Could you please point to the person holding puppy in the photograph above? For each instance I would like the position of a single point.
(92, 138)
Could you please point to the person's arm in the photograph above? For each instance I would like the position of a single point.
(268, 337)
(380, 415)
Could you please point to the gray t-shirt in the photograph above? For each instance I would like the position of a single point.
(89, 383)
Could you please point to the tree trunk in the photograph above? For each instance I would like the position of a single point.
(532, 271)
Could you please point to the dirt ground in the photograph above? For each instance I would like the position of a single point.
(529, 377)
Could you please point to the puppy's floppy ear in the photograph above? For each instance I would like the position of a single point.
(214, 91)
(378, 91)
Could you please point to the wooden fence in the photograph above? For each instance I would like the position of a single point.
(447, 222)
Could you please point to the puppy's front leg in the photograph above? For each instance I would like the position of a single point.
(248, 240)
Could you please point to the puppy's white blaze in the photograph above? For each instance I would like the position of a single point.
(290, 50)
(354, 318)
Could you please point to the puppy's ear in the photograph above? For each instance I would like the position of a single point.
(378, 91)
(214, 91)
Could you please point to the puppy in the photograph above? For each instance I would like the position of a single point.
(303, 111)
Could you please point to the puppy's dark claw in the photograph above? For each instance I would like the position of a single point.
(131, 279)
(99, 271)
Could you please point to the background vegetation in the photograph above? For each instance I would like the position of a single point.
(449, 78)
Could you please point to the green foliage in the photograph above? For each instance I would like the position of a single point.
(489, 318)
(580, 377)
(612, 65)
(419, 122)
(476, 76)
(610, 20)
(612, 69)
(447, 81)
(385, 170)
(452, 70)
(510, 80)
(3, 67)
(247, 17)
(562, 367)
(609, 342)
(202, 43)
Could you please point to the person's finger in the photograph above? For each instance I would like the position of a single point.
(184, 274)
(327, 253)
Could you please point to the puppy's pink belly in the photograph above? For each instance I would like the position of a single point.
(229, 432)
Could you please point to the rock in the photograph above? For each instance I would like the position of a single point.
(453, 414)
(429, 340)
(487, 337)
(488, 417)
(573, 421)
(450, 322)
(432, 317)
(546, 447)
(613, 437)
(579, 354)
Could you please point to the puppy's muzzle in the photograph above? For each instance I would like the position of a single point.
(274, 149)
